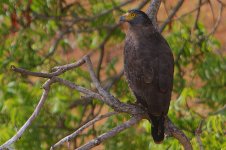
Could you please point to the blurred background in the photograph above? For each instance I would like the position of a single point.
(40, 34)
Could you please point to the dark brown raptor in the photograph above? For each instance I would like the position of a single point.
(149, 67)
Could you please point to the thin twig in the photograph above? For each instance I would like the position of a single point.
(73, 135)
(78, 88)
(102, 45)
(56, 43)
(85, 100)
(59, 69)
(218, 20)
(197, 15)
(100, 61)
(219, 1)
(191, 11)
(171, 15)
(212, 9)
(71, 66)
(97, 141)
(142, 4)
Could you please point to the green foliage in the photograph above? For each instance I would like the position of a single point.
(199, 75)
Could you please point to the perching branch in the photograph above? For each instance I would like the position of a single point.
(178, 134)
(109, 99)
(103, 95)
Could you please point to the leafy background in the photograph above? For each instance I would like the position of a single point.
(40, 34)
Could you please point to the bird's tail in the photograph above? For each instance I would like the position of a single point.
(157, 128)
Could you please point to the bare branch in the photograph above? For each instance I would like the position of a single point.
(111, 133)
(218, 20)
(178, 134)
(212, 9)
(59, 37)
(102, 45)
(142, 4)
(153, 10)
(35, 74)
(197, 15)
(110, 99)
(59, 69)
(102, 95)
(78, 88)
(224, 4)
(71, 66)
(73, 135)
(191, 11)
(46, 87)
(100, 61)
(88, 100)
(171, 15)
(94, 78)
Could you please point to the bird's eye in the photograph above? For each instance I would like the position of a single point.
(132, 15)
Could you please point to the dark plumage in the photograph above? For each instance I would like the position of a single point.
(148, 64)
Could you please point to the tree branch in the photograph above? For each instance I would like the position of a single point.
(97, 141)
(81, 89)
(218, 20)
(178, 134)
(153, 11)
(197, 15)
(88, 124)
(191, 11)
(171, 15)
(142, 4)
(102, 95)
(46, 87)
(109, 99)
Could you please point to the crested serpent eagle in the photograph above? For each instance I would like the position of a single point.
(149, 67)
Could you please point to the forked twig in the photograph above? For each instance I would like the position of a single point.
(73, 135)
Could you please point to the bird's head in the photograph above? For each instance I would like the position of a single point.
(135, 17)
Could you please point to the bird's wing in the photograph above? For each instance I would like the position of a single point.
(148, 70)
(165, 70)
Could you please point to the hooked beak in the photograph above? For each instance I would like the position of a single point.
(124, 18)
